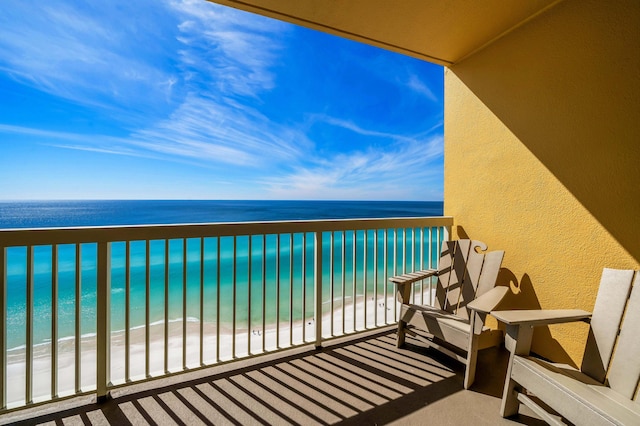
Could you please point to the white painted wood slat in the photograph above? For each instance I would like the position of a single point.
(605, 322)
(624, 372)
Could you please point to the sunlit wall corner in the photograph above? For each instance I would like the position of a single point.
(541, 155)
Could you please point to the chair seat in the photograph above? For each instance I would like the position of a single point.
(585, 401)
(439, 323)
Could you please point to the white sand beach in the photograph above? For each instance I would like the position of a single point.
(270, 338)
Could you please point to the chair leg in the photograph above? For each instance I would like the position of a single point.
(472, 358)
(509, 404)
(518, 342)
(402, 331)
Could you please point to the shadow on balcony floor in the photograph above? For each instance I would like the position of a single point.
(359, 381)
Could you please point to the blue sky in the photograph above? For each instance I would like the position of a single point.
(185, 99)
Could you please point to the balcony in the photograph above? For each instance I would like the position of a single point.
(360, 379)
(247, 311)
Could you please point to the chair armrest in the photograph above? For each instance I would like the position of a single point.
(488, 301)
(412, 277)
(520, 324)
(403, 289)
(536, 317)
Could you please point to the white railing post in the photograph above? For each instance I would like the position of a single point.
(29, 331)
(3, 328)
(304, 285)
(184, 305)
(103, 326)
(147, 306)
(318, 288)
(54, 321)
(446, 233)
(78, 318)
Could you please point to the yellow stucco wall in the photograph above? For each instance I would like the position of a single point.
(542, 156)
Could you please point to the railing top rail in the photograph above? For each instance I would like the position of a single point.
(96, 234)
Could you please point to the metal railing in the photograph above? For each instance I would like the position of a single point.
(92, 309)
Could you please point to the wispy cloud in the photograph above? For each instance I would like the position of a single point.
(208, 130)
(220, 56)
(417, 85)
(234, 51)
(210, 133)
(401, 171)
(225, 62)
(199, 132)
(355, 128)
(190, 86)
(81, 141)
(404, 75)
(77, 53)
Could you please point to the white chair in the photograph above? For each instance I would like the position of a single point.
(465, 294)
(604, 391)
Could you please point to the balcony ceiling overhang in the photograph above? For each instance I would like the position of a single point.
(440, 31)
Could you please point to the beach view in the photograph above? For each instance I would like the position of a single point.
(222, 298)
(156, 123)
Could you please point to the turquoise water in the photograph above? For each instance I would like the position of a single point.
(186, 278)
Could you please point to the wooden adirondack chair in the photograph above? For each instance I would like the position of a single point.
(465, 294)
(605, 389)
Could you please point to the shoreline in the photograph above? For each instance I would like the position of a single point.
(274, 338)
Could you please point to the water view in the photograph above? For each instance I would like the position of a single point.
(182, 276)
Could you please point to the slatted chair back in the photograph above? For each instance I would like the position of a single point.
(613, 345)
(465, 273)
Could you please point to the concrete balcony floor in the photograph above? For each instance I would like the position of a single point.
(357, 380)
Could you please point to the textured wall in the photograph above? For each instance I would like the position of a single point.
(542, 156)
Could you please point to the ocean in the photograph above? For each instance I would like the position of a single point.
(47, 214)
